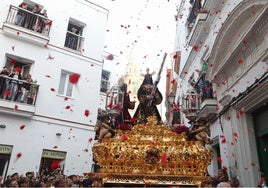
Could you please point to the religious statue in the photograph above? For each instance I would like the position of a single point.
(149, 96)
(103, 128)
(199, 132)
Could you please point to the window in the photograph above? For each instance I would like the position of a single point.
(74, 39)
(65, 87)
(20, 62)
(51, 160)
(105, 83)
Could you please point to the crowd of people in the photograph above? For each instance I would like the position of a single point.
(223, 180)
(55, 178)
(14, 87)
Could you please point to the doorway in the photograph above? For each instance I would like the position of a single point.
(260, 119)
(5, 154)
(52, 160)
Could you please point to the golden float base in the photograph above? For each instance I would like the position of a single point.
(129, 180)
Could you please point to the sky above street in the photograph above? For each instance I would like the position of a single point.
(145, 26)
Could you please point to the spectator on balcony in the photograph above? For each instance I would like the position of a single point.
(42, 23)
(194, 10)
(208, 90)
(25, 88)
(72, 39)
(20, 17)
(33, 21)
(15, 85)
(4, 73)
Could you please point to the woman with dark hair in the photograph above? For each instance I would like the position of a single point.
(148, 97)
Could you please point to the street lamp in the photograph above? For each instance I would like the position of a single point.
(114, 102)
(191, 104)
(171, 98)
(170, 102)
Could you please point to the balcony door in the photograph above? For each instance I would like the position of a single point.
(15, 61)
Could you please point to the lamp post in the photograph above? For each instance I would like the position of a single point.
(170, 101)
(114, 102)
(171, 98)
(191, 104)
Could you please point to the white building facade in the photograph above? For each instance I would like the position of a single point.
(224, 57)
(63, 52)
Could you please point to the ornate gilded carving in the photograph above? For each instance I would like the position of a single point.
(152, 150)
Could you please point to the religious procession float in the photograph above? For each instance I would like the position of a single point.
(148, 153)
(151, 155)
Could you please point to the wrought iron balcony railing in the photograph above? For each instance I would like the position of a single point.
(28, 20)
(74, 41)
(195, 10)
(17, 90)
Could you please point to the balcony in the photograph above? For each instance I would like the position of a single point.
(191, 104)
(74, 41)
(17, 96)
(199, 30)
(208, 109)
(197, 23)
(27, 25)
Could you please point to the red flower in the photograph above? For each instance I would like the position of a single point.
(73, 78)
(110, 105)
(18, 69)
(6, 93)
(110, 57)
(164, 158)
(55, 164)
(117, 106)
(235, 136)
(52, 89)
(19, 155)
(22, 127)
(36, 6)
(124, 137)
(173, 81)
(223, 141)
(132, 120)
(195, 47)
(16, 107)
(219, 159)
(49, 23)
(13, 62)
(240, 61)
(86, 113)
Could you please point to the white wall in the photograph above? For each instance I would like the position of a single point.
(51, 115)
(37, 136)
